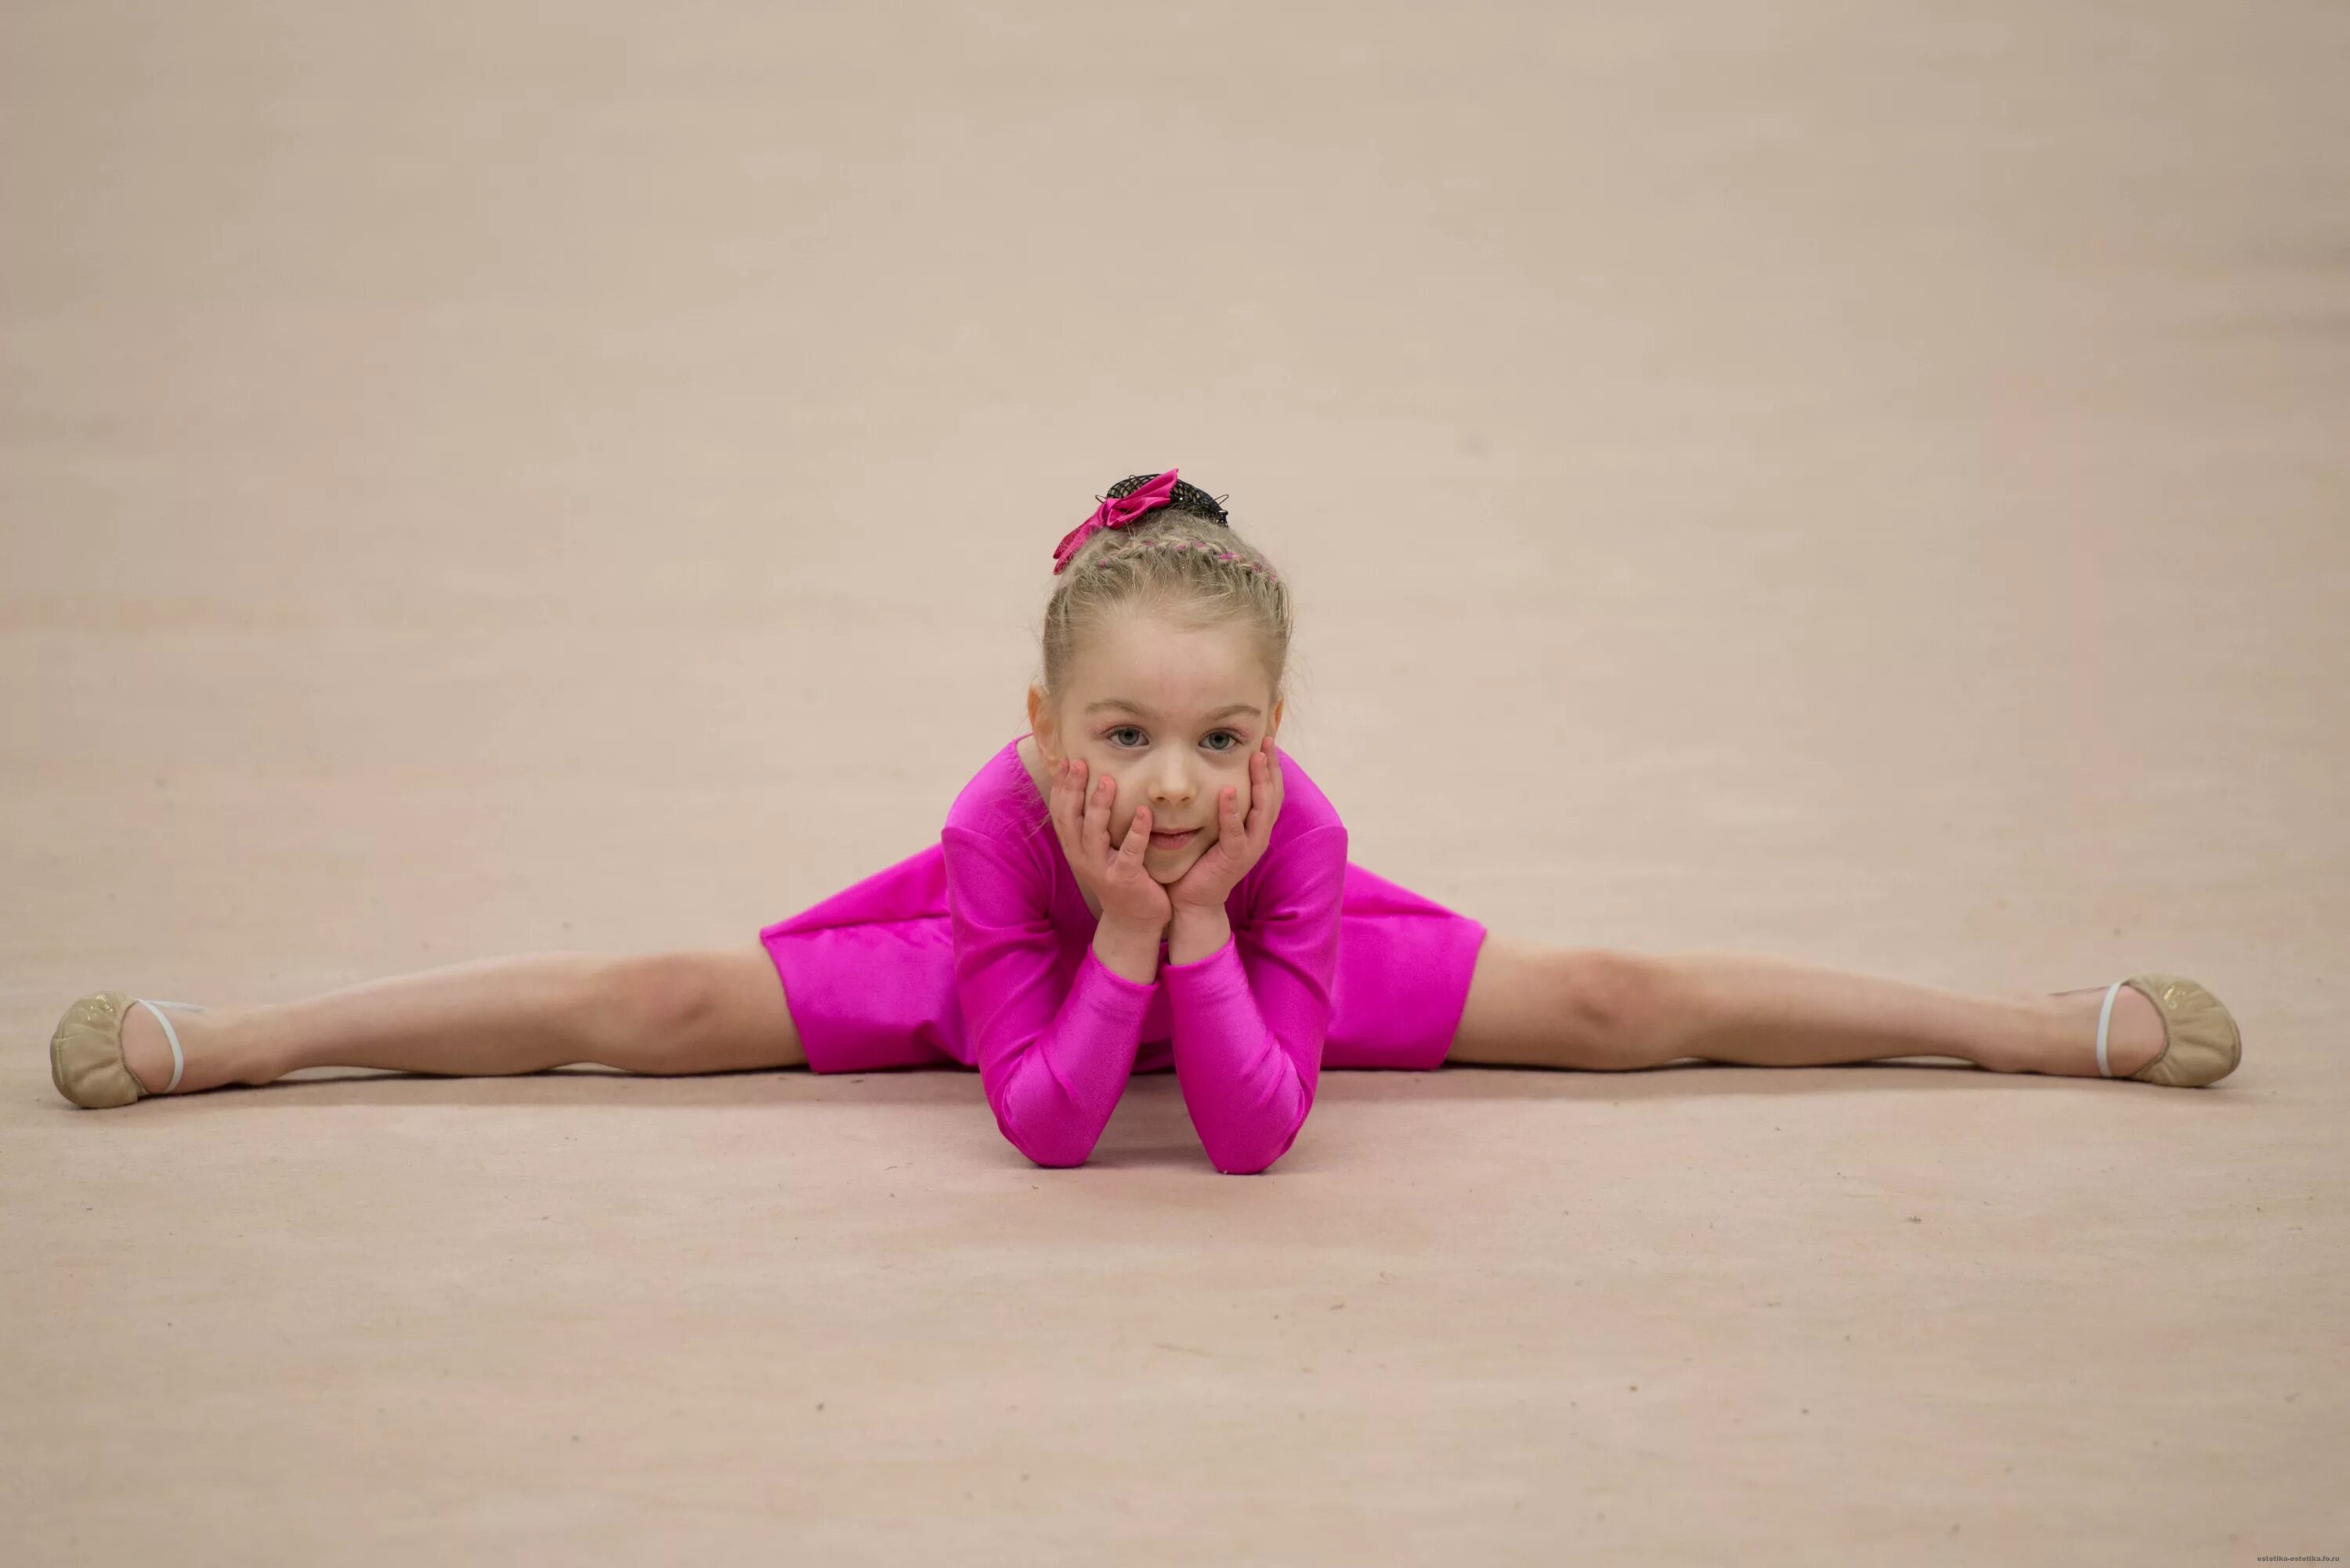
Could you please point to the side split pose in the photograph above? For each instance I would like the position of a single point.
(1143, 881)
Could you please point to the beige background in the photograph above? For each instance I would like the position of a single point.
(1860, 482)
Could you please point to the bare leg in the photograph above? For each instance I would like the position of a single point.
(1774, 1012)
(712, 1012)
(1534, 1004)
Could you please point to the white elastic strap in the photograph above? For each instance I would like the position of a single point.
(2105, 1016)
(179, 1061)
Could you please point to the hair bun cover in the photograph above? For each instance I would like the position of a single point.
(1188, 497)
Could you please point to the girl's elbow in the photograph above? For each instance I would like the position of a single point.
(1055, 1150)
(1243, 1160)
(1053, 1154)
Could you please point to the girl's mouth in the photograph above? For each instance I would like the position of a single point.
(1173, 840)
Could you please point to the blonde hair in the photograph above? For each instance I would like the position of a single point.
(1182, 561)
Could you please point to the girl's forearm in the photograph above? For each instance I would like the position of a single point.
(1194, 934)
(1128, 950)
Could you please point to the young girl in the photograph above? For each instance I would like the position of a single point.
(1144, 880)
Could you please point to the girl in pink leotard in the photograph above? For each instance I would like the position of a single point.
(1142, 881)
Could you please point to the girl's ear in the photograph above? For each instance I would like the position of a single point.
(1040, 725)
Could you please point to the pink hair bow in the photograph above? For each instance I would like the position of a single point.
(1117, 514)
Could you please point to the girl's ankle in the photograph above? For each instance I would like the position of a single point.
(209, 1052)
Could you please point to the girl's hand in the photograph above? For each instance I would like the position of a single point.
(1114, 876)
(1214, 875)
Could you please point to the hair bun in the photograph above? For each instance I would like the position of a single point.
(1188, 497)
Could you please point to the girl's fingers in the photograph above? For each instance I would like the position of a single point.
(1267, 803)
(1065, 819)
(1097, 805)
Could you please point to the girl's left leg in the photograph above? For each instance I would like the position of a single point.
(694, 1010)
(1534, 1005)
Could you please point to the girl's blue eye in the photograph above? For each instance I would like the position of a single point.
(1130, 730)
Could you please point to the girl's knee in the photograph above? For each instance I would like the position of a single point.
(654, 1003)
(710, 1012)
(1617, 1007)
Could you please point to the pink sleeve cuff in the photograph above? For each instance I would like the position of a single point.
(1104, 975)
(1220, 973)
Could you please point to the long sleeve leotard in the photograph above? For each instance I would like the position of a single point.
(1055, 1042)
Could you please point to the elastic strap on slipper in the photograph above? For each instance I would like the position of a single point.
(2105, 1016)
(180, 1060)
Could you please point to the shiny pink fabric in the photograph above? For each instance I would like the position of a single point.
(977, 951)
(1115, 513)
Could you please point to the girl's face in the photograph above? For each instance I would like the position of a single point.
(1173, 715)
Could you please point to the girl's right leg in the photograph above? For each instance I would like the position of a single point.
(717, 1010)
(1534, 1004)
